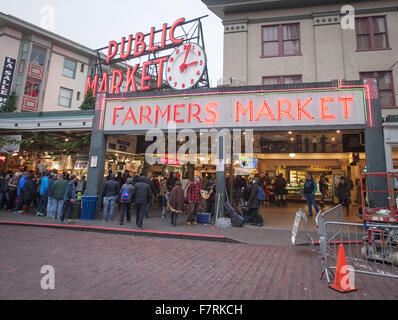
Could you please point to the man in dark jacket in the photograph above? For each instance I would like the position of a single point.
(52, 205)
(126, 197)
(254, 204)
(28, 194)
(110, 192)
(142, 195)
(149, 181)
(69, 199)
(58, 190)
(3, 189)
(343, 194)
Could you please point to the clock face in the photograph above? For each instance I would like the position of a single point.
(186, 66)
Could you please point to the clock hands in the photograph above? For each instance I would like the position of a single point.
(183, 66)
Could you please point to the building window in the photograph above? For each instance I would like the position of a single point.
(386, 86)
(69, 68)
(281, 40)
(394, 153)
(32, 87)
(65, 97)
(38, 56)
(82, 67)
(78, 96)
(25, 50)
(371, 33)
(282, 80)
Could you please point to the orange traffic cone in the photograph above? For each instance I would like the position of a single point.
(341, 279)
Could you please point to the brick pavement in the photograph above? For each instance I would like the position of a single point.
(104, 266)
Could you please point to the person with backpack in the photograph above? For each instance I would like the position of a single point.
(309, 190)
(142, 196)
(254, 203)
(110, 192)
(43, 191)
(126, 197)
(69, 199)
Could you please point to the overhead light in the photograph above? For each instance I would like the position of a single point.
(291, 139)
(14, 154)
(338, 131)
(292, 155)
(66, 140)
(290, 132)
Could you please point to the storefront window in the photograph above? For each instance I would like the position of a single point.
(38, 56)
(394, 151)
(32, 87)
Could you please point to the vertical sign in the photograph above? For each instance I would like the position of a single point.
(6, 79)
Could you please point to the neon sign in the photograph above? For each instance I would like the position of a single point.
(185, 66)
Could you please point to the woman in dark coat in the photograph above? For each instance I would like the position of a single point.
(176, 204)
(28, 194)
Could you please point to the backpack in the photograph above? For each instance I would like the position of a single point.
(261, 194)
(125, 195)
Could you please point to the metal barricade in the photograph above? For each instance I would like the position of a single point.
(369, 248)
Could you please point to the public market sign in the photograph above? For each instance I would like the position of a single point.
(236, 110)
(183, 69)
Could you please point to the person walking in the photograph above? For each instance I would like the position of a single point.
(149, 181)
(194, 198)
(142, 196)
(163, 197)
(28, 194)
(52, 205)
(126, 197)
(43, 194)
(110, 192)
(20, 191)
(343, 194)
(12, 190)
(69, 199)
(281, 191)
(3, 189)
(309, 193)
(58, 189)
(211, 201)
(176, 202)
(254, 204)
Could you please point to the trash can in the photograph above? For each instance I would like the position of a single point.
(77, 208)
(89, 207)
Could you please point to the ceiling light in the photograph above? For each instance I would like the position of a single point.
(290, 132)
(338, 131)
(66, 140)
(292, 155)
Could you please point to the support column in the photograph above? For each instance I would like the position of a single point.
(375, 147)
(95, 176)
(220, 180)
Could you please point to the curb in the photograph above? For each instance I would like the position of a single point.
(144, 233)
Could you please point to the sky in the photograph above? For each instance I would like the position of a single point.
(94, 23)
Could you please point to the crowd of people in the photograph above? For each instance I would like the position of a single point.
(47, 192)
(54, 195)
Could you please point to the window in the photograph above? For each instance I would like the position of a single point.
(32, 87)
(25, 50)
(38, 56)
(78, 96)
(394, 152)
(281, 40)
(65, 97)
(69, 68)
(82, 67)
(282, 80)
(386, 86)
(371, 33)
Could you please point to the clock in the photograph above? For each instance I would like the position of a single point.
(186, 66)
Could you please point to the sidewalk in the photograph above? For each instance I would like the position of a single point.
(156, 226)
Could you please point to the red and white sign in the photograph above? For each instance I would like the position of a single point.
(236, 110)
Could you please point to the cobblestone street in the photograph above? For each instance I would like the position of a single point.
(103, 266)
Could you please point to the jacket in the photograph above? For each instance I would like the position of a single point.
(13, 183)
(343, 191)
(49, 189)
(310, 187)
(176, 200)
(29, 191)
(21, 186)
(44, 185)
(111, 188)
(253, 201)
(3, 185)
(70, 192)
(143, 193)
(59, 189)
(131, 189)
